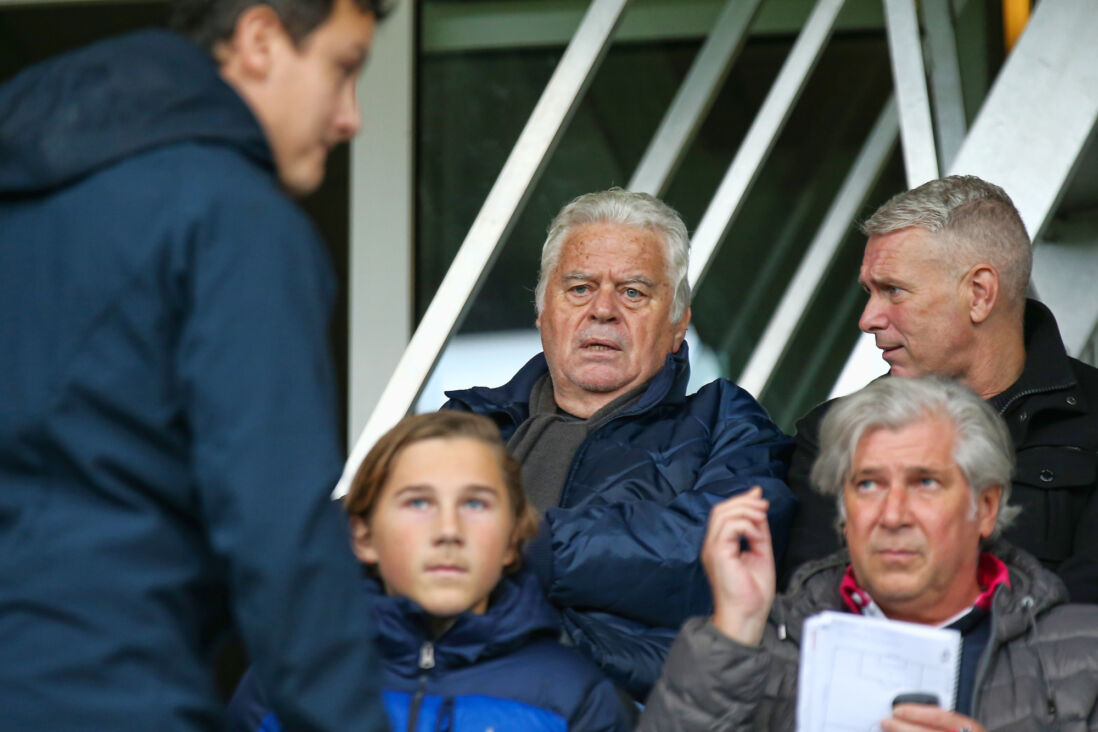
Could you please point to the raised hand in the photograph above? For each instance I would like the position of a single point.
(739, 560)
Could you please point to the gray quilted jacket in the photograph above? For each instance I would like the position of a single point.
(1038, 672)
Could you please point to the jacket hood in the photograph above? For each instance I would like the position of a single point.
(517, 614)
(71, 115)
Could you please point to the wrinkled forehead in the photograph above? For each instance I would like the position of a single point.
(615, 246)
(924, 442)
(904, 253)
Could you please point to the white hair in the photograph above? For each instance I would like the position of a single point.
(625, 208)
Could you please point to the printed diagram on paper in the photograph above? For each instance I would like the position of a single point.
(853, 667)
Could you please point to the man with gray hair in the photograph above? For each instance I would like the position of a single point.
(622, 464)
(920, 472)
(946, 268)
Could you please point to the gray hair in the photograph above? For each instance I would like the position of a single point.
(978, 223)
(982, 448)
(625, 208)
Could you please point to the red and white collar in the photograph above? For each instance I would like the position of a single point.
(990, 573)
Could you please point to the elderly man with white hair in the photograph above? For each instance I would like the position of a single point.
(920, 472)
(623, 465)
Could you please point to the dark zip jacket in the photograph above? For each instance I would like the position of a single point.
(168, 437)
(503, 670)
(619, 555)
(1052, 413)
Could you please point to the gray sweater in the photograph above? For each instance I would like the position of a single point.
(1038, 672)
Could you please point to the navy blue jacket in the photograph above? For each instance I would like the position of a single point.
(619, 556)
(503, 671)
(168, 436)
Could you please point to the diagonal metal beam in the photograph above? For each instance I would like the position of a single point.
(945, 78)
(496, 218)
(861, 178)
(906, 51)
(694, 98)
(761, 137)
(1089, 352)
(1040, 112)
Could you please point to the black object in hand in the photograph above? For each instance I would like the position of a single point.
(916, 697)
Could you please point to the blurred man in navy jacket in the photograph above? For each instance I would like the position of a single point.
(168, 438)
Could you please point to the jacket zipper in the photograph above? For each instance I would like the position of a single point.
(985, 657)
(1031, 392)
(426, 663)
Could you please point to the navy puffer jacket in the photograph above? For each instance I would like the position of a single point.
(503, 670)
(619, 556)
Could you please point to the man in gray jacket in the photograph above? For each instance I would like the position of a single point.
(920, 470)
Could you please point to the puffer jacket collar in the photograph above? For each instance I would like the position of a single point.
(517, 614)
(1032, 591)
(813, 589)
(512, 399)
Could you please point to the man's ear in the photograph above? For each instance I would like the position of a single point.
(982, 283)
(250, 50)
(680, 331)
(362, 541)
(987, 509)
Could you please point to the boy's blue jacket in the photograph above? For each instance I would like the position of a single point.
(619, 556)
(503, 670)
(168, 434)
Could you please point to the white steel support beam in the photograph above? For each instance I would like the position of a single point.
(945, 79)
(798, 295)
(1064, 273)
(1040, 111)
(916, 132)
(381, 209)
(761, 137)
(510, 191)
(694, 98)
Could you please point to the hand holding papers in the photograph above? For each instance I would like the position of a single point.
(853, 667)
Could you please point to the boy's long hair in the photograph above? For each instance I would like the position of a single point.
(378, 464)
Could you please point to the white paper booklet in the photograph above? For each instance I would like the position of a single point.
(852, 667)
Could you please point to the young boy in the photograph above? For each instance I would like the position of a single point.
(438, 517)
